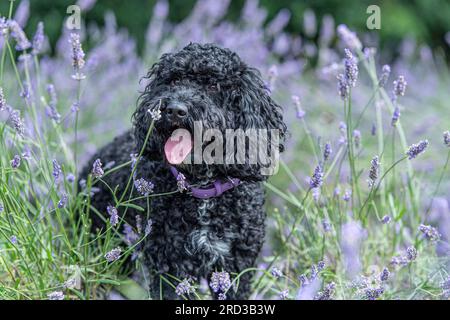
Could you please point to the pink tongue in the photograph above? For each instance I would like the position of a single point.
(177, 147)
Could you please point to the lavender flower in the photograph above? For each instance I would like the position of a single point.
(373, 172)
(56, 295)
(70, 178)
(56, 170)
(347, 195)
(395, 116)
(327, 151)
(351, 68)
(317, 178)
(181, 182)
(300, 113)
(38, 39)
(399, 87)
(276, 273)
(430, 232)
(416, 149)
(13, 240)
(130, 236)
(327, 292)
(357, 138)
(77, 56)
(26, 92)
(2, 100)
(411, 253)
(385, 73)
(343, 88)
(143, 186)
(22, 42)
(373, 130)
(315, 194)
(155, 114)
(113, 215)
(15, 162)
(113, 255)
(184, 288)
(386, 219)
(220, 281)
(97, 170)
(320, 265)
(446, 138)
(348, 37)
(51, 110)
(373, 293)
(284, 294)
(63, 201)
(221, 296)
(384, 276)
(303, 279)
(17, 122)
(70, 283)
(148, 227)
(1, 207)
(326, 225)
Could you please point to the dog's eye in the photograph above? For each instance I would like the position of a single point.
(213, 87)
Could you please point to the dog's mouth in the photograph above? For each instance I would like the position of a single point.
(178, 146)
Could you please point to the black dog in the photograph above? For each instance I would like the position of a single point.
(218, 225)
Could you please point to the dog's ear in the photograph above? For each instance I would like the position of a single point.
(254, 110)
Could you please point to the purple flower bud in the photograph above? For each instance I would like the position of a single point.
(385, 72)
(113, 255)
(2, 100)
(15, 162)
(343, 88)
(19, 36)
(447, 138)
(317, 178)
(56, 170)
(97, 170)
(327, 151)
(300, 113)
(386, 219)
(113, 215)
(395, 116)
(351, 68)
(399, 86)
(373, 173)
(220, 282)
(63, 201)
(416, 149)
(276, 273)
(384, 276)
(184, 288)
(77, 56)
(143, 186)
(56, 295)
(38, 39)
(411, 253)
(430, 232)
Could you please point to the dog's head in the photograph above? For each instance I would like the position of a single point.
(204, 87)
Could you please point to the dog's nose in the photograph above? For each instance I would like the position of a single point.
(176, 110)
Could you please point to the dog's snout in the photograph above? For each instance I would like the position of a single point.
(176, 110)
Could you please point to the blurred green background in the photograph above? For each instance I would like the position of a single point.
(424, 20)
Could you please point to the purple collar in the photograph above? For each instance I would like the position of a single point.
(206, 193)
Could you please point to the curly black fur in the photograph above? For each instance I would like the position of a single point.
(193, 237)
